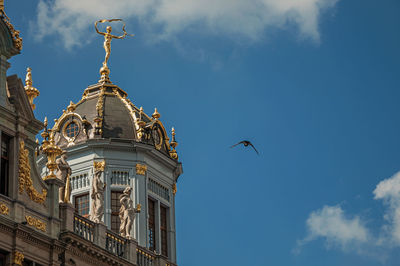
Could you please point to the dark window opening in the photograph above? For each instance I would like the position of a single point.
(5, 164)
(152, 225)
(115, 206)
(82, 205)
(163, 229)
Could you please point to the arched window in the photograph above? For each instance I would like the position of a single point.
(72, 130)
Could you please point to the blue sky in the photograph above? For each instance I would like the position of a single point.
(314, 84)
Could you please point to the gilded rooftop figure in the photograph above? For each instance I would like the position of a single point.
(105, 71)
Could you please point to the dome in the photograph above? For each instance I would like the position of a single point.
(105, 112)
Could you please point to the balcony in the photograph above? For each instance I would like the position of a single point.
(98, 241)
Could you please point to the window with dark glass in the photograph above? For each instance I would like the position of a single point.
(82, 205)
(72, 130)
(5, 164)
(152, 225)
(163, 229)
(115, 206)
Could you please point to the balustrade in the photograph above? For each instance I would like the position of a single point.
(115, 244)
(83, 227)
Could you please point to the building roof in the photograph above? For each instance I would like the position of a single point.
(105, 111)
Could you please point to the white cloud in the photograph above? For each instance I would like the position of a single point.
(72, 19)
(350, 233)
(331, 224)
(389, 191)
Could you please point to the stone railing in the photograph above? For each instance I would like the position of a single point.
(84, 227)
(145, 257)
(115, 244)
(100, 237)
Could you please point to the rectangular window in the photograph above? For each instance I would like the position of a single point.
(115, 206)
(5, 164)
(163, 229)
(82, 205)
(152, 225)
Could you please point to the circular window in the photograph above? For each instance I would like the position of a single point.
(72, 130)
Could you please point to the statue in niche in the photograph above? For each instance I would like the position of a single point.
(98, 187)
(127, 213)
(63, 173)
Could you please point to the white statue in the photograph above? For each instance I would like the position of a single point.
(127, 213)
(63, 172)
(98, 187)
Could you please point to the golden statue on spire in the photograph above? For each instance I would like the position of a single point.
(104, 70)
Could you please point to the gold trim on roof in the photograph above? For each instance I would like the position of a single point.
(17, 40)
(25, 181)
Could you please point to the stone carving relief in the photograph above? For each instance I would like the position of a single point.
(127, 213)
(98, 187)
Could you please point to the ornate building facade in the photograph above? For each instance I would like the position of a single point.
(99, 190)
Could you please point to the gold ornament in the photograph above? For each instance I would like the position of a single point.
(18, 258)
(99, 166)
(104, 70)
(4, 209)
(31, 91)
(17, 40)
(141, 169)
(38, 224)
(25, 181)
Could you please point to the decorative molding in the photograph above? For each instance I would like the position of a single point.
(4, 209)
(141, 169)
(25, 180)
(99, 166)
(36, 223)
(18, 258)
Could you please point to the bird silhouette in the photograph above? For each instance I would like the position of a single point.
(246, 143)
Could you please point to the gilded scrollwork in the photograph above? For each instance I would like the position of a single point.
(4, 209)
(141, 169)
(25, 180)
(38, 224)
(18, 258)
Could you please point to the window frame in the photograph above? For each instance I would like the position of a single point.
(77, 207)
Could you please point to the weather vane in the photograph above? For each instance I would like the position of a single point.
(104, 70)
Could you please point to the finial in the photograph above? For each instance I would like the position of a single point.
(31, 91)
(71, 107)
(156, 115)
(1, 5)
(173, 144)
(45, 122)
(140, 123)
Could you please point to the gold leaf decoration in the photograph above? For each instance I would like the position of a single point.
(25, 180)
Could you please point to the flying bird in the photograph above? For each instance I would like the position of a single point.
(246, 143)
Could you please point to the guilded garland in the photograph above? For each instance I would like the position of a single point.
(25, 181)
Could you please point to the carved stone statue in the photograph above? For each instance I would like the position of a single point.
(98, 187)
(127, 213)
(63, 173)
